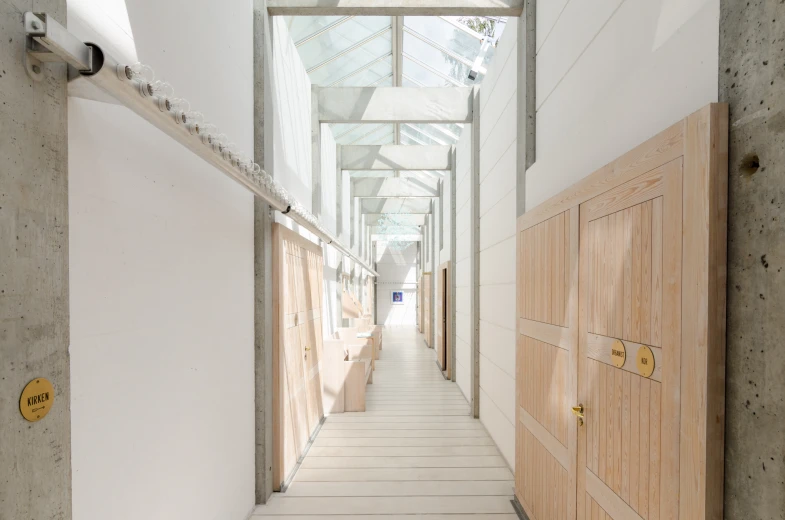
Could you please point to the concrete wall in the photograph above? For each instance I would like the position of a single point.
(35, 457)
(463, 272)
(611, 74)
(162, 279)
(497, 209)
(752, 81)
(397, 268)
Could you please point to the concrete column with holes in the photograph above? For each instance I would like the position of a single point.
(263, 219)
(34, 310)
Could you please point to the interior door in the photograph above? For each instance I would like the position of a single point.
(546, 443)
(630, 325)
(439, 319)
(297, 401)
(312, 334)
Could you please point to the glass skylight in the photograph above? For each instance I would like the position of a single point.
(358, 51)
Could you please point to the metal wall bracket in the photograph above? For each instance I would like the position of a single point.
(48, 41)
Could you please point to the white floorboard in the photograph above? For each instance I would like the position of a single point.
(416, 451)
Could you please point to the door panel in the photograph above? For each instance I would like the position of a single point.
(629, 442)
(297, 398)
(644, 269)
(546, 360)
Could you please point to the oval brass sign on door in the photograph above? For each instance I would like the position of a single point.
(618, 354)
(37, 399)
(645, 360)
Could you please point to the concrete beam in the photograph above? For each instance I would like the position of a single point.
(395, 105)
(416, 206)
(366, 187)
(403, 219)
(395, 157)
(396, 238)
(395, 7)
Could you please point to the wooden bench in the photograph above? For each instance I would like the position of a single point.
(352, 335)
(347, 369)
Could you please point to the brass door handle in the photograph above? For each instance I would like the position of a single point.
(578, 411)
(307, 349)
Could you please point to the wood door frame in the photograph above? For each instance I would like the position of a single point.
(701, 141)
(445, 272)
(281, 233)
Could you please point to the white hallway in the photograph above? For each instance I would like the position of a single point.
(415, 451)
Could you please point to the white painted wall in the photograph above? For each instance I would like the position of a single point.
(463, 273)
(611, 74)
(291, 116)
(329, 173)
(497, 205)
(397, 268)
(161, 276)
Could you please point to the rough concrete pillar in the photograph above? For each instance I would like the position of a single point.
(35, 458)
(752, 81)
(527, 107)
(263, 301)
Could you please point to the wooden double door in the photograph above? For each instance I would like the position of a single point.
(621, 316)
(297, 330)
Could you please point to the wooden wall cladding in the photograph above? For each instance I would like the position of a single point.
(634, 253)
(298, 348)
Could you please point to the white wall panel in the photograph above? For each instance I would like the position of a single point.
(498, 223)
(547, 14)
(500, 138)
(497, 305)
(498, 345)
(397, 270)
(497, 263)
(578, 24)
(650, 65)
(329, 173)
(161, 275)
(499, 387)
(291, 106)
(502, 430)
(499, 181)
(497, 209)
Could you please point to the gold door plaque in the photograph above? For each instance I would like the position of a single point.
(37, 399)
(645, 361)
(618, 354)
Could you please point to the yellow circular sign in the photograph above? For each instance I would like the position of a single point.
(37, 399)
(645, 361)
(618, 354)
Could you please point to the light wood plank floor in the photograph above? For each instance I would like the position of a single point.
(415, 451)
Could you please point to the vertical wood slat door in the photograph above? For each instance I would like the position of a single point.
(426, 307)
(630, 265)
(297, 338)
(546, 366)
(652, 261)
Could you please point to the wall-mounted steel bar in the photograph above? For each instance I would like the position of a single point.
(138, 95)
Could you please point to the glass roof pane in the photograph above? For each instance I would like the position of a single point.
(366, 74)
(446, 133)
(445, 34)
(434, 59)
(302, 26)
(357, 51)
(348, 63)
(420, 76)
(341, 38)
(383, 134)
